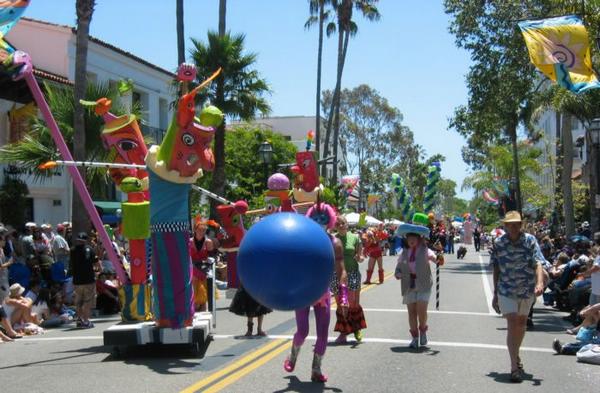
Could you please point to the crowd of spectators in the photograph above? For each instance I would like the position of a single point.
(48, 278)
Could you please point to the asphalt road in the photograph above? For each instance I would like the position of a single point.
(466, 352)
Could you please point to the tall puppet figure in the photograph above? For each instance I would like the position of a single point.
(230, 217)
(173, 167)
(325, 216)
(306, 182)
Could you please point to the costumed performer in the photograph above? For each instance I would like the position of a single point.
(354, 321)
(200, 246)
(373, 240)
(414, 272)
(325, 216)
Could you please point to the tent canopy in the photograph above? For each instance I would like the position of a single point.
(353, 218)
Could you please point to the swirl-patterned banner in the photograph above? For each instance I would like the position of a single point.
(559, 47)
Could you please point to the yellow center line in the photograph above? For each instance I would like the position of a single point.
(237, 364)
(248, 369)
(249, 363)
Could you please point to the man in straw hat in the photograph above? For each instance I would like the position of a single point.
(518, 279)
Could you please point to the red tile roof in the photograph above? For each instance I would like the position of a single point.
(107, 45)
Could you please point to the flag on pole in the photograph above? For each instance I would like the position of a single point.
(559, 47)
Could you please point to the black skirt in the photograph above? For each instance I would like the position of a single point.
(244, 305)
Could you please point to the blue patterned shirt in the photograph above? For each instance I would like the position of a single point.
(517, 263)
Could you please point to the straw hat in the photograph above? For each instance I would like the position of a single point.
(512, 216)
(16, 290)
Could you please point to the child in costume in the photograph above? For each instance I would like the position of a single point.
(414, 272)
(200, 246)
(325, 216)
(354, 321)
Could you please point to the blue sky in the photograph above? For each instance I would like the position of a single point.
(409, 56)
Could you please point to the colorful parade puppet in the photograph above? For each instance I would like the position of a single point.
(325, 216)
(414, 272)
(11, 61)
(173, 167)
(306, 183)
(277, 198)
(403, 198)
(433, 178)
(230, 217)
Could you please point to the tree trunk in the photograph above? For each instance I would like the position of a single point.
(180, 33)
(592, 153)
(85, 10)
(567, 143)
(516, 175)
(336, 125)
(218, 176)
(319, 66)
(222, 17)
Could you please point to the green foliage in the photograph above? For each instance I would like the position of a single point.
(581, 201)
(244, 90)
(37, 146)
(13, 202)
(245, 173)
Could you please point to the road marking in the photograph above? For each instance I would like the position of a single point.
(399, 341)
(66, 338)
(241, 363)
(246, 370)
(402, 310)
(486, 286)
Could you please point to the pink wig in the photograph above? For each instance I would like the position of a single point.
(323, 214)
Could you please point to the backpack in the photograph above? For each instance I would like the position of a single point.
(589, 354)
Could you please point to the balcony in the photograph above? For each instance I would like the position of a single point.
(154, 133)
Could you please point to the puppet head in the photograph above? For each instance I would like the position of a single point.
(123, 138)
(10, 12)
(277, 198)
(323, 214)
(186, 146)
(231, 221)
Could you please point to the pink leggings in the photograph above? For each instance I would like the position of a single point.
(322, 316)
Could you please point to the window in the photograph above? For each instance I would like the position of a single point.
(163, 115)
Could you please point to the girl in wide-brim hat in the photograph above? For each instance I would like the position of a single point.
(414, 272)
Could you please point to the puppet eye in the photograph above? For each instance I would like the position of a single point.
(306, 163)
(127, 144)
(270, 208)
(235, 220)
(187, 139)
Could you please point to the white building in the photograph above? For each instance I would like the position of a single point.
(52, 48)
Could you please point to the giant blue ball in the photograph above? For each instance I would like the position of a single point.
(286, 261)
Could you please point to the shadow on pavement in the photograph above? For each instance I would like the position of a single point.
(422, 350)
(79, 353)
(505, 378)
(296, 385)
(157, 359)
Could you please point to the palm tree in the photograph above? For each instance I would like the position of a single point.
(85, 10)
(37, 146)
(319, 14)
(180, 32)
(346, 27)
(239, 91)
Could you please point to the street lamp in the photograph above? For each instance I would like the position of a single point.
(594, 131)
(265, 153)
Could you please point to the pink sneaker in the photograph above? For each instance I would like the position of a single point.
(288, 365)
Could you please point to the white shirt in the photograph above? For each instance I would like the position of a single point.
(596, 278)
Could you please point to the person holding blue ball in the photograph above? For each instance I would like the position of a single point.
(325, 216)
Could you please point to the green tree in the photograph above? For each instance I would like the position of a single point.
(245, 173)
(239, 92)
(37, 146)
(319, 14)
(13, 202)
(346, 28)
(84, 10)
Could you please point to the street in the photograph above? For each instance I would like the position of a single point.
(466, 351)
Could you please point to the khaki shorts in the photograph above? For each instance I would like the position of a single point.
(515, 306)
(85, 295)
(413, 296)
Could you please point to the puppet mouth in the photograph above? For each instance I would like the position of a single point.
(192, 159)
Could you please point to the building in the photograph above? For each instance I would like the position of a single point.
(52, 49)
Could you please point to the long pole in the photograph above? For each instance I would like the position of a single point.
(437, 287)
(77, 178)
(596, 205)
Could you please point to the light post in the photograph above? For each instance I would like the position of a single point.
(265, 153)
(595, 168)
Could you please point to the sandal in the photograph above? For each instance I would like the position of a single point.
(261, 333)
(516, 376)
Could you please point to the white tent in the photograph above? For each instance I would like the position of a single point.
(393, 221)
(353, 218)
